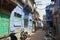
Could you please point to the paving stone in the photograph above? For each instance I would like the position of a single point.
(38, 35)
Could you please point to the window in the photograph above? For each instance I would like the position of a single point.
(17, 17)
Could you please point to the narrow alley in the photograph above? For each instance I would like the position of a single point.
(29, 19)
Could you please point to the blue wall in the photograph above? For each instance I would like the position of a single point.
(22, 12)
(13, 23)
(29, 23)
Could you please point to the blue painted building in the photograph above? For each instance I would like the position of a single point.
(26, 14)
(16, 19)
(22, 19)
(27, 21)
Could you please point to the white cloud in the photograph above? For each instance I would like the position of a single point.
(41, 8)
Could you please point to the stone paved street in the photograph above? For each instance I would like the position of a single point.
(38, 35)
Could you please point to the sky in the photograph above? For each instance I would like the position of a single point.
(40, 7)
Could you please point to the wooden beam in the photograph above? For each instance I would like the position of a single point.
(14, 1)
(8, 5)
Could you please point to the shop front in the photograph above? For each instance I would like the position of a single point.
(4, 24)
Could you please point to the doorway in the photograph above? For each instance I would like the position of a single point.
(18, 33)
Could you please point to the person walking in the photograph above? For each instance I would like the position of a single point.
(49, 16)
